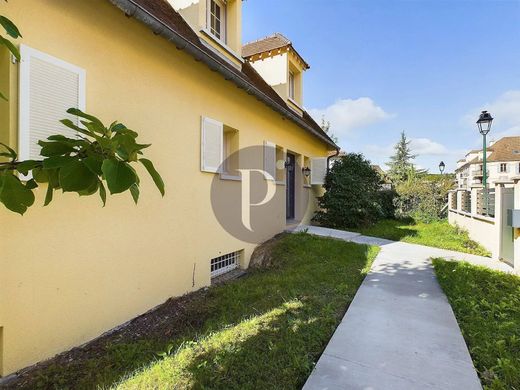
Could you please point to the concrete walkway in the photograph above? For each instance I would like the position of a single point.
(399, 331)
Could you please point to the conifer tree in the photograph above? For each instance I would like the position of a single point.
(400, 164)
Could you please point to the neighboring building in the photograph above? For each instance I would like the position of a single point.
(73, 270)
(503, 163)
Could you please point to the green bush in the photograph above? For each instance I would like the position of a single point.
(387, 201)
(421, 197)
(352, 197)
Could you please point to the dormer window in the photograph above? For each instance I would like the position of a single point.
(217, 19)
(291, 85)
(281, 66)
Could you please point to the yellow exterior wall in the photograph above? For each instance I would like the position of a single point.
(195, 13)
(72, 270)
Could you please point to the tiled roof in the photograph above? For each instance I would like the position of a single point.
(163, 13)
(275, 41)
(267, 44)
(504, 150)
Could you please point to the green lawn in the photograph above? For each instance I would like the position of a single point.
(437, 234)
(263, 331)
(487, 306)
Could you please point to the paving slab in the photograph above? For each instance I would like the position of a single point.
(399, 331)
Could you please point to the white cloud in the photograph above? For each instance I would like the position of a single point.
(347, 115)
(506, 113)
(427, 147)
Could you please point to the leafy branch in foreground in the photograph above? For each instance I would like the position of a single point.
(99, 154)
(12, 31)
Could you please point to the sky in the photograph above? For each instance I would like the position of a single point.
(425, 67)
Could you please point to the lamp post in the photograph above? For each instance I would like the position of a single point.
(442, 166)
(484, 125)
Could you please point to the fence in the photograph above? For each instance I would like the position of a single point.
(465, 203)
(482, 208)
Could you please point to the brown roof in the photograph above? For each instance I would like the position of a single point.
(378, 169)
(162, 13)
(267, 44)
(505, 149)
(275, 41)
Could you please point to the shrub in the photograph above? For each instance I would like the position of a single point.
(352, 197)
(387, 201)
(421, 197)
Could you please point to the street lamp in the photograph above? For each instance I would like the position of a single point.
(442, 166)
(484, 125)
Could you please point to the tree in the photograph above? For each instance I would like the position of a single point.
(98, 154)
(352, 196)
(422, 197)
(400, 164)
(325, 126)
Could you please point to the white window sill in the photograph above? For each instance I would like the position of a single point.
(225, 176)
(226, 48)
(295, 103)
(307, 186)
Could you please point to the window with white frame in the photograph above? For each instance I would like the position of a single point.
(48, 88)
(503, 167)
(217, 19)
(225, 263)
(219, 148)
(291, 85)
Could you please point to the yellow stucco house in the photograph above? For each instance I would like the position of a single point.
(176, 72)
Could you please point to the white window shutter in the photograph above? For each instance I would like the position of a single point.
(48, 88)
(318, 170)
(212, 145)
(270, 159)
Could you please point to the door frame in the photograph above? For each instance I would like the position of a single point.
(290, 186)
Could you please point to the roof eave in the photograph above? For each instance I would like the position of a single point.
(132, 9)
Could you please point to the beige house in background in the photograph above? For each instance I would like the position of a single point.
(176, 74)
(503, 163)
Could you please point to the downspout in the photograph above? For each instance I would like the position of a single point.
(133, 9)
(332, 156)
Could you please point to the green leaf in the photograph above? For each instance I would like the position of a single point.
(40, 175)
(57, 161)
(118, 174)
(81, 114)
(14, 195)
(48, 195)
(25, 166)
(12, 154)
(10, 27)
(31, 184)
(94, 164)
(157, 179)
(11, 47)
(76, 177)
(102, 193)
(55, 148)
(3, 97)
(91, 190)
(71, 125)
(134, 190)
(95, 127)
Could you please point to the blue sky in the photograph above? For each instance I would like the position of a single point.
(382, 66)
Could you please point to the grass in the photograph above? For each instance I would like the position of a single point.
(487, 306)
(263, 331)
(438, 234)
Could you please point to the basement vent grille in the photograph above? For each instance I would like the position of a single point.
(225, 263)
